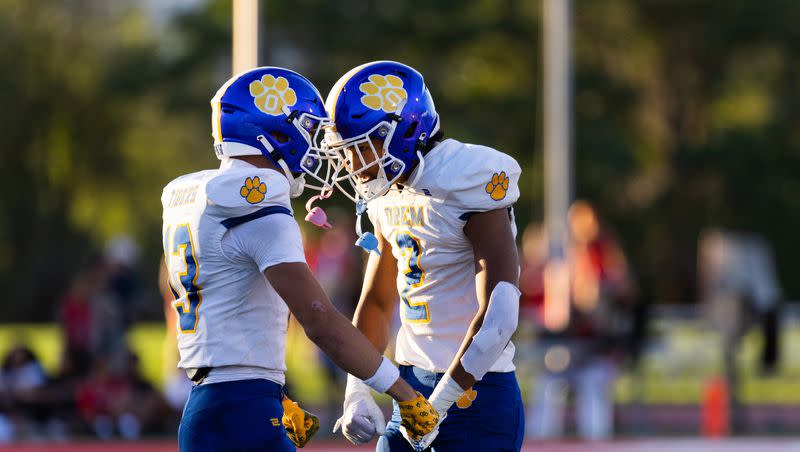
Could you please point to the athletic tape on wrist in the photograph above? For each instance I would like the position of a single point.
(445, 394)
(384, 377)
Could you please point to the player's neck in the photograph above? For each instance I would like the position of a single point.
(402, 180)
(259, 161)
(405, 177)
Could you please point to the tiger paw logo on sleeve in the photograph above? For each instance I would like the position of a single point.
(498, 186)
(253, 190)
(466, 399)
(270, 94)
(383, 92)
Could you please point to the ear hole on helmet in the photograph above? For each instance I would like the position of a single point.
(229, 108)
(280, 137)
(411, 129)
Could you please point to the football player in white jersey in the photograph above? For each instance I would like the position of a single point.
(237, 268)
(444, 242)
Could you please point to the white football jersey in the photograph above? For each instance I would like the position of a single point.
(435, 262)
(222, 229)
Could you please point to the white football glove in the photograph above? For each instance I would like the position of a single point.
(362, 418)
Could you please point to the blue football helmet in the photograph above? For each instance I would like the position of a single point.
(277, 113)
(382, 100)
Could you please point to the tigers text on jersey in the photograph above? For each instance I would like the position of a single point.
(222, 228)
(436, 267)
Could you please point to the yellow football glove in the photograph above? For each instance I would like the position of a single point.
(418, 417)
(300, 425)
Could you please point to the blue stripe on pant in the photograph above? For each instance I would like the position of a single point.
(234, 416)
(494, 421)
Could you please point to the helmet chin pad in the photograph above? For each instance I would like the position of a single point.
(369, 157)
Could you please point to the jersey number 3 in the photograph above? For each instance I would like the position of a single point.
(183, 268)
(415, 276)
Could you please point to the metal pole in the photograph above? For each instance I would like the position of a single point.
(245, 35)
(557, 156)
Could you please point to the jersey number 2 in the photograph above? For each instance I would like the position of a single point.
(187, 301)
(415, 276)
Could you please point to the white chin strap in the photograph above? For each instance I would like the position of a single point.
(231, 149)
(296, 184)
(417, 173)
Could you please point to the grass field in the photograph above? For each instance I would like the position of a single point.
(674, 369)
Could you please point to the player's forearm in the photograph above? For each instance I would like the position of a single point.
(349, 349)
(374, 321)
(373, 315)
(456, 370)
(485, 341)
(486, 280)
(355, 354)
(496, 279)
(323, 324)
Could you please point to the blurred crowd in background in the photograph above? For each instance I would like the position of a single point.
(97, 389)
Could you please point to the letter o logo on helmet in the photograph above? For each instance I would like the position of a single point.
(271, 94)
(383, 92)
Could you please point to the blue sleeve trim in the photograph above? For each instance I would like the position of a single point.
(269, 210)
(465, 216)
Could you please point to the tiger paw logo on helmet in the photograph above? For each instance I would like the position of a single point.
(253, 190)
(383, 92)
(270, 94)
(498, 186)
(466, 399)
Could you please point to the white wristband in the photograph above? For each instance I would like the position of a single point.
(383, 379)
(446, 392)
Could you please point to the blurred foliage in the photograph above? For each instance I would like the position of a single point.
(685, 116)
(97, 118)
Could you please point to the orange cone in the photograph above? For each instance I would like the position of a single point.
(715, 409)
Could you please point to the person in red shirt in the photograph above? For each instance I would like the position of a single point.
(75, 309)
(585, 354)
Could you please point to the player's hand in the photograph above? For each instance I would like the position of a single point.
(419, 422)
(300, 425)
(362, 418)
(424, 442)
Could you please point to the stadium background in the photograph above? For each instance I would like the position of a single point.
(685, 119)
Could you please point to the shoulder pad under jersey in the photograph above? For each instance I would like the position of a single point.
(476, 178)
(240, 194)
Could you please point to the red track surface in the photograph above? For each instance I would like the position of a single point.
(655, 445)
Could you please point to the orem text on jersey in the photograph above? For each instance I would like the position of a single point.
(405, 215)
